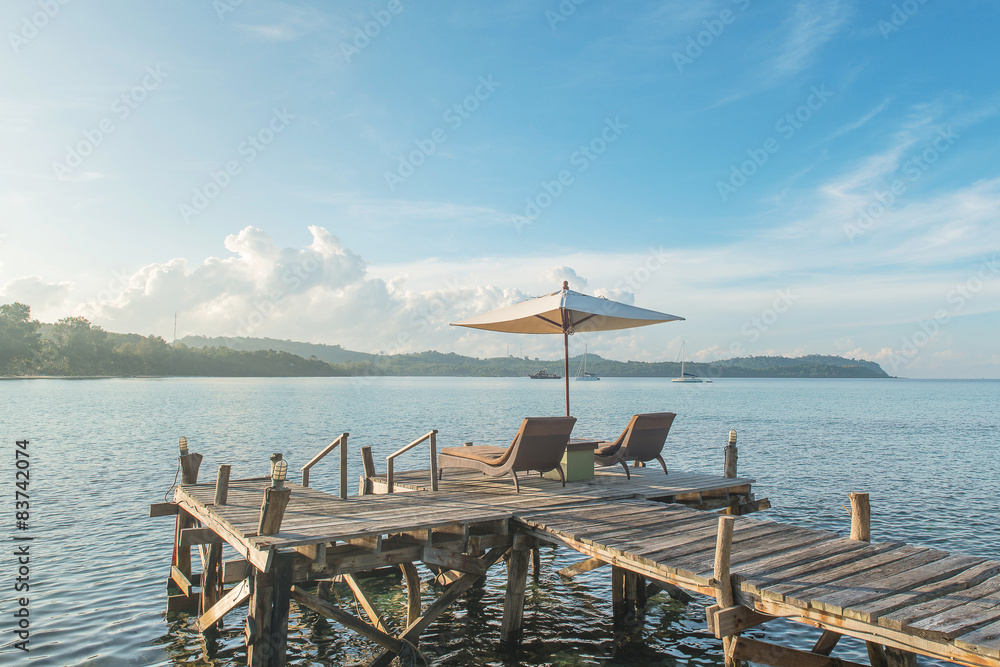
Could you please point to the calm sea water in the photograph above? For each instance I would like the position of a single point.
(103, 450)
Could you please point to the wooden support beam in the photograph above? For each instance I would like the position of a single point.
(234, 598)
(677, 593)
(454, 561)
(347, 620)
(631, 597)
(222, 484)
(573, 570)
(272, 510)
(373, 542)
(513, 606)
(194, 536)
(374, 615)
(722, 577)
(181, 561)
(415, 629)
(211, 580)
(412, 578)
(895, 657)
(763, 653)
(183, 603)
(617, 594)
(731, 621)
(536, 564)
(268, 621)
(235, 570)
(163, 509)
(182, 580)
(826, 642)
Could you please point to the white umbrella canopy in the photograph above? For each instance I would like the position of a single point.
(565, 312)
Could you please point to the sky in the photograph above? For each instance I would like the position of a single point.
(790, 177)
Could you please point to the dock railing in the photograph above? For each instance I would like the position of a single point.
(342, 442)
(432, 436)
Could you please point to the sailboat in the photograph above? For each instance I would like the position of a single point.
(583, 374)
(685, 377)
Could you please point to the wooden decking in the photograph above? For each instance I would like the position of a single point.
(916, 599)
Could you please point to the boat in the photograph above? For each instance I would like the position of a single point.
(685, 377)
(544, 375)
(583, 374)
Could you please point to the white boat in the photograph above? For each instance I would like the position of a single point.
(685, 377)
(583, 374)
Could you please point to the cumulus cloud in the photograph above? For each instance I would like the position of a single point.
(321, 293)
(559, 274)
(35, 292)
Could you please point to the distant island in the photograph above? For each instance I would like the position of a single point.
(74, 347)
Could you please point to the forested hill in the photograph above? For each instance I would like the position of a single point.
(74, 347)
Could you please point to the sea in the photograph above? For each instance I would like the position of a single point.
(100, 451)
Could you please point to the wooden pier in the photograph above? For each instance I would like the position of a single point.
(655, 532)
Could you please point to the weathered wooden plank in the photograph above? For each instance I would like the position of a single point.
(959, 620)
(869, 579)
(347, 620)
(228, 602)
(374, 615)
(984, 641)
(903, 618)
(837, 568)
(753, 650)
(861, 602)
(733, 620)
(583, 566)
(162, 509)
(454, 561)
(194, 536)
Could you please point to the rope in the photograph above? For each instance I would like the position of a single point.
(174, 485)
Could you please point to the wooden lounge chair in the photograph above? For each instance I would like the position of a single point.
(539, 445)
(642, 440)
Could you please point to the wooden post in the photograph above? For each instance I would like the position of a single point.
(617, 594)
(732, 455)
(222, 485)
(536, 564)
(189, 468)
(272, 510)
(861, 517)
(723, 580)
(343, 466)
(895, 657)
(513, 606)
(267, 625)
(434, 458)
(211, 578)
(631, 596)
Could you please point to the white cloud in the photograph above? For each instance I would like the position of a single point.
(35, 292)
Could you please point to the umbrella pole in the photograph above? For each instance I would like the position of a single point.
(566, 368)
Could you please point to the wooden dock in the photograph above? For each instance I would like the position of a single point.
(902, 600)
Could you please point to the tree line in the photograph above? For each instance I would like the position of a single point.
(75, 347)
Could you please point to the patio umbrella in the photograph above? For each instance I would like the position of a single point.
(565, 312)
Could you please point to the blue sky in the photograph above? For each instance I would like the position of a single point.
(791, 177)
